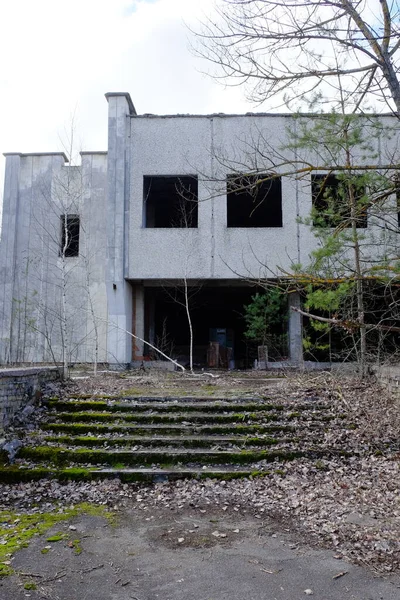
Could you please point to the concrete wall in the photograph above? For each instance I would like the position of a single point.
(38, 190)
(213, 147)
(18, 387)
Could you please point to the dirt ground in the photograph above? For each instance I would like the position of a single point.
(180, 554)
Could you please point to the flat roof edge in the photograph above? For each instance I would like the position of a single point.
(88, 152)
(252, 114)
(24, 154)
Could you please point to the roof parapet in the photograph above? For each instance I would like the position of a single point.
(127, 96)
(24, 154)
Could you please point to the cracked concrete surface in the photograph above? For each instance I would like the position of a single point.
(183, 555)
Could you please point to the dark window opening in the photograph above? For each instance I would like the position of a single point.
(254, 201)
(69, 235)
(331, 204)
(171, 201)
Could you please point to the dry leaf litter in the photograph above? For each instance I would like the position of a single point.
(350, 505)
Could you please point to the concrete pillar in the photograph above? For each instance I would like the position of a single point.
(138, 322)
(119, 291)
(295, 330)
(8, 248)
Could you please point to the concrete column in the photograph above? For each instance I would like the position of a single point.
(8, 247)
(119, 292)
(138, 321)
(295, 330)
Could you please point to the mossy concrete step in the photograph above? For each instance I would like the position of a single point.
(190, 441)
(15, 474)
(170, 399)
(76, 428)
(175, 406)
(94, 416)
(62, 456)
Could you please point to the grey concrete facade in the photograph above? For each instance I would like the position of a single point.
(119, 257)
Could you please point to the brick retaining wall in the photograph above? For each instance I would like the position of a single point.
(18, 386)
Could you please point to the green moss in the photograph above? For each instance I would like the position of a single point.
(255, 474)
(30, 586)
(165, 418)
(5, 570)
(57, 537)
(191, 405)
(16, 530)
(76, 544)
(81, 428)
(122, 458)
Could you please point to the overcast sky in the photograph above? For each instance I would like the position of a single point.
(59, 57)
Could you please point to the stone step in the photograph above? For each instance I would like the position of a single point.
(62, 456)
(170, 399)
(128, 405)
(188, 441)
(77, 428)
(155, 439)
(154, 417)
(15, 474)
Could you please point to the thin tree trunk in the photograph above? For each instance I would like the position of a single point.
(190, 326)
(93, 315)
(354, 212)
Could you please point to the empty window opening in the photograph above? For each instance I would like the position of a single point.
(69, 235)
(171, 201)
(331, 201)
(254, 201)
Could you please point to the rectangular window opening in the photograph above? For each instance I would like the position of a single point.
(170, 201)
(69, 235)
(254, 200)
(330, 201)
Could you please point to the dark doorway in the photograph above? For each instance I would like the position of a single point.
(216, 313)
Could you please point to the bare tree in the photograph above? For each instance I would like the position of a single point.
(183, 293)
(66, 310)
(288, 50)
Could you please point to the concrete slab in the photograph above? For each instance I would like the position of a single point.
(186, 555)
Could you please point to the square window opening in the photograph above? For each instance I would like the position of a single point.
(331, 204)
(70, 225)
(254, 200)
(170, 201)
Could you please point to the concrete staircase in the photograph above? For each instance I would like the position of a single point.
(155, 439)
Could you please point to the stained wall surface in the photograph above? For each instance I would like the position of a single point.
(100, 292)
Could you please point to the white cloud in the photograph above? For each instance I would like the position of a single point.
(61, 57)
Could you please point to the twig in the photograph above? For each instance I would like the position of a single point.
(341, 574)
(92, 569)
(56, 576)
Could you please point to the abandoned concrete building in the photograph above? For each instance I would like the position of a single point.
(101, 250)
